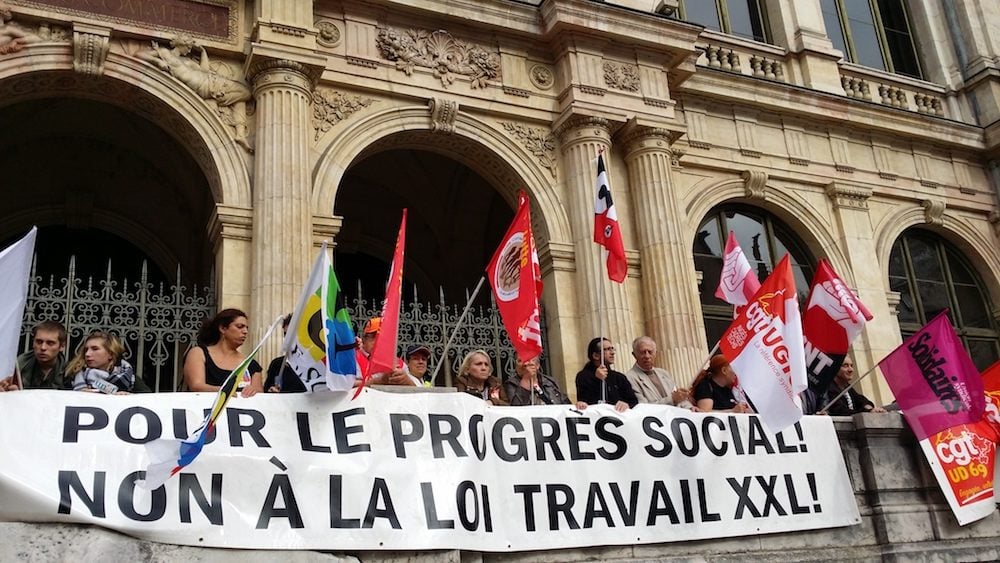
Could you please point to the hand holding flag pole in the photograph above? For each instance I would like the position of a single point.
(847, 389)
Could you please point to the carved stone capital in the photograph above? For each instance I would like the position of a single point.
(892, 299)
(267, 72)
(443, 115)
(556, 256)
(325, 229)
(90, 48)
(851, 197)
(641, 139)
(755, 183)
(933, 211)
(230, 222)
(582, 127)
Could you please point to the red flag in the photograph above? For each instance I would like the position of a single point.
(833, 318)
(764, 347)
(607, 231)
(963, 458)
(737, 284)
(383, 356)
(516, 279)
(934, 380)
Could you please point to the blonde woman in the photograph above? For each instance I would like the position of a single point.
(98, 366)
(475, 377)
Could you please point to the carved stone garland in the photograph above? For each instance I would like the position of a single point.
(438, 51)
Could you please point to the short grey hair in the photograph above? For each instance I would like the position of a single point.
(640, 340)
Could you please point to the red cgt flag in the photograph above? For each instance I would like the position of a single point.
(383, 357)
(516, 279)
(607, 231)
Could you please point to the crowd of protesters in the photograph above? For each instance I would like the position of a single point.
(99, 365)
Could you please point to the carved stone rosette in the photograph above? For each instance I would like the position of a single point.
(539, 143)
(438, 51)
(330, 107)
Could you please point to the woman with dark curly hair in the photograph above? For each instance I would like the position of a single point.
(207, 366)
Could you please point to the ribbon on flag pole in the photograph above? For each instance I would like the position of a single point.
(168, 457)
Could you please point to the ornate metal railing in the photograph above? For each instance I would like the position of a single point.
(155, 322)
(158, 322)
(431, 324)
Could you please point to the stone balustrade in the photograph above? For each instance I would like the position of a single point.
(892, 90)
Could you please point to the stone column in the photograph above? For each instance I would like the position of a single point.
(669, 281)
(800, 26)
(282, 186)
(866, 277)
(581, 139)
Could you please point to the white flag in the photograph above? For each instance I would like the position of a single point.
(15, 268)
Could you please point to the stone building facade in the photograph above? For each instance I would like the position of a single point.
(234, 137)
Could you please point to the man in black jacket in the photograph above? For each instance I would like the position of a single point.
(598, 383)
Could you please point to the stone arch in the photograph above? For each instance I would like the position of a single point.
(42, 71)
(812, 228)
(954, 228)
(505, 164)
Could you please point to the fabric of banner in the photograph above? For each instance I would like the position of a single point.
(764, 346)
(15, 268)
(516, 279)
(963, 458)
(934, 380)
(383, 356)
(418, 471)
(833, 318)
(607, 231)
(305, 346)
(737, 283)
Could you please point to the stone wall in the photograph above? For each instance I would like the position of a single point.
(904, 518)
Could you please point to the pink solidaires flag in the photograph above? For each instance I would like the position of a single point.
(383, 356)
(764, 347)
(934, 380)
(607, 231)
(516, 278)
(963, 458)
(737, 284)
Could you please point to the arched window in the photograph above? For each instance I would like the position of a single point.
(930, 276)
(763, 238)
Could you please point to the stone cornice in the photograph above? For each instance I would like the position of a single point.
(621, 25)
(815, 106)
(229, 222)
(636, 138)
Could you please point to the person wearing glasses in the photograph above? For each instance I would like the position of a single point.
(597, 383)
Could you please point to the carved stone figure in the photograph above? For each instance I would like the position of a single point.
(229, 95)
(13, 37)
(438, 51)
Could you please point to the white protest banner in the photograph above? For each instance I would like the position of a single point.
(417, 471)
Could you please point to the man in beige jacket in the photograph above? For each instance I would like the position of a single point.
(653, 384)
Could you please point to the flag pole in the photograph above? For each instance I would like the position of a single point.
(454, 331)
(600, 299)
(846, 389)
